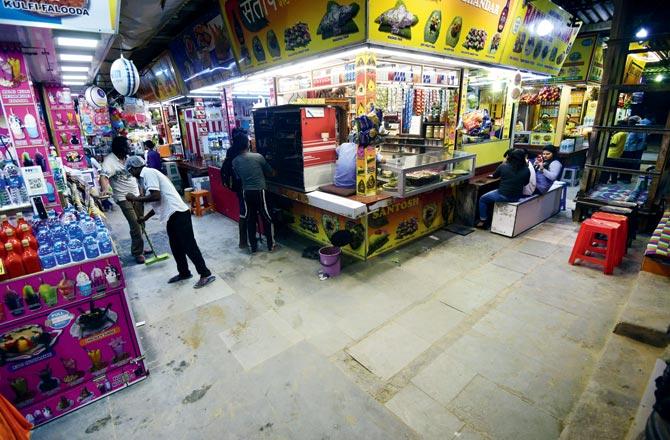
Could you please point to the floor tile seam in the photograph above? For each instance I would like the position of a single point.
(440, 404)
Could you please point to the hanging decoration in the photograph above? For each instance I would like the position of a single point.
(124, 76)
(96, 97)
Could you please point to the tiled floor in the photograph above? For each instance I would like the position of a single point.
(474, 337)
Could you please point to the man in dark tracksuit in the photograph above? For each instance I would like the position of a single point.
(251, 168)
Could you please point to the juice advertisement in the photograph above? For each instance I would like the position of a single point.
(66, 338)
(469, 29)
(65, 126)
(271, 32)
(576, 65)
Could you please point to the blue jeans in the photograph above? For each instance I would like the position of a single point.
(490, 198)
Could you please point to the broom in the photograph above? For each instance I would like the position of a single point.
(155, 258)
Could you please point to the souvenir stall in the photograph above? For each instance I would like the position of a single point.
(407, 72)
(560, 111)
(67, 336)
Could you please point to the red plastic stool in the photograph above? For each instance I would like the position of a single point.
(584, 243)
(615, 218)
(599, 245)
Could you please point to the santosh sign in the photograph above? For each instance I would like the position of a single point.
(46, 8)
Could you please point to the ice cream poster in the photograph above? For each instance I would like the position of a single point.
(65, 125)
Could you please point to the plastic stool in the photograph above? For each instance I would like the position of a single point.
(615, 218)
(201, 201)
(629, 213)
(587, 234)
(570, 175)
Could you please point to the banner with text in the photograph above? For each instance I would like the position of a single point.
(78, 15)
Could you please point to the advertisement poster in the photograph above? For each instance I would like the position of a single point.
(203, 53)
(79, 15)
(67, 339)
(270, 32)
(469, 29)
(29, 146)
(576, 66)
(540, 38)
(320, 225)
(146, 91)
(94, 121)
(597, 62)
(166, 83)
(65, 126)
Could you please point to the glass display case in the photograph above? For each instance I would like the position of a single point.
(410, 175)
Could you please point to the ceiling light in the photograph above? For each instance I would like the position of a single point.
(76, 42)
(75, 68)
(75, 77)
(642, 33)
(658, 78)
(75, 57)
(74, 83)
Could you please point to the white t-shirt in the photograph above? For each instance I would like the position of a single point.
(121, 180)
(170, 201)
(529, 189)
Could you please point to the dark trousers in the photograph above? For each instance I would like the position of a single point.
(255, 203)
(182, 243)
(637, 155)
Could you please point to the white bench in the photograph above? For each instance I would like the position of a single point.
(511, 219)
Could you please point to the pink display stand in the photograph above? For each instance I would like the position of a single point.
(67, 338)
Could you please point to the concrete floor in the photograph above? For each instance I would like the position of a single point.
(475, 337)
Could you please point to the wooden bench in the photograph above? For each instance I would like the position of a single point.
(511, 219)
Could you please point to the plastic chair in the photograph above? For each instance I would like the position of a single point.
(584, 248)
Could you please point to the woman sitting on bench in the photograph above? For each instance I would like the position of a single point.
(547, 169)
(514, 175)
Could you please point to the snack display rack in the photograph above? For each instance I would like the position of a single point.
(67, 338)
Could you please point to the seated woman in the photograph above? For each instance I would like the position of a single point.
(547, 169)
(514, 175)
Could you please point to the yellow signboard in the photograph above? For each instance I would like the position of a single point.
(576, 65)
(597, 62)
(266, 33)
(471, 29)
(541, 37)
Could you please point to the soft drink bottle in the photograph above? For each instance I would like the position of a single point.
(31, 261)
(13, 263)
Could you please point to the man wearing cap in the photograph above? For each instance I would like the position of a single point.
(171, 209)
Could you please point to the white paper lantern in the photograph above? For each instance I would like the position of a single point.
(124, 76)
(95, 97)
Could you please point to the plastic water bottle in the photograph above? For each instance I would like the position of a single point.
(47, 257)
(43, 236)
(104, 242)
(74, 231)
(88, 226)
(77, 252)
(58, 233)
(61, 253)
(5, 198)
(68, 216)
(91, 247)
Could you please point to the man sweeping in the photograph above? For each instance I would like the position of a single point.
(171, 209)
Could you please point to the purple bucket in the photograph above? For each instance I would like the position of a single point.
(329, 257)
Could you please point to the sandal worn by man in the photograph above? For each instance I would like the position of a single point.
(202, 282)
(178, 278)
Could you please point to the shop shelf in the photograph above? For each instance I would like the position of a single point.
(11, 208)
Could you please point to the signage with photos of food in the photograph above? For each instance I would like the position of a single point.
(64, 125)
(203, 53)
(540, 37)
(470, 29)
(597, 62)
(80, 15)
(167, 83)
(266, 33)
(576, 65)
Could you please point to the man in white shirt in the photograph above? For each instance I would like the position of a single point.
(171, 209)
(114, 174)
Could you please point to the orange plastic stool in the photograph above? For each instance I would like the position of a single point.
(584, 243)
(201, 201)
(621, 220)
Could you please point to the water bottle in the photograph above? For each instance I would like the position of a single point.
(47, 257)
(77, 250)
(91, 247)
(43, 236)
(68, 216)
(74, 231)
(58, 233)
(104, 242)
(52, 219)
(60, 251)
(100, 224)
(5, 198)
(88, 226)
(17, 190)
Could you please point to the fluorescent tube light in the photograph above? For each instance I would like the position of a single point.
(75, 77)
(75, 68)
(75, 57)
(74, 83)
(76, 42)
